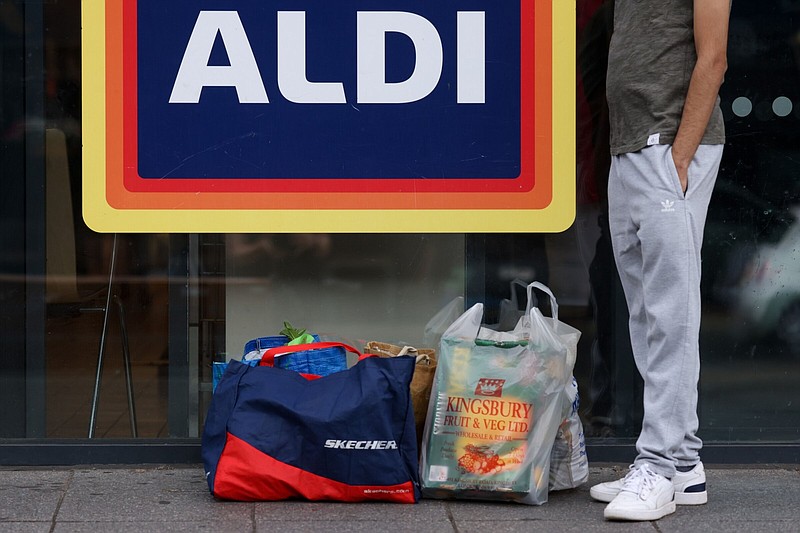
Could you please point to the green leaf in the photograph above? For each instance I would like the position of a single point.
(305, 338)
(291, 331)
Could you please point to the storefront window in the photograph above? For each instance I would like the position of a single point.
(751, 264)
(209, 294)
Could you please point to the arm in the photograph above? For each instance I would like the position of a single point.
(711, 43)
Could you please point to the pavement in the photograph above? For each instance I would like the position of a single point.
(175, 498)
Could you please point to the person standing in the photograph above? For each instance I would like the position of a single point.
(666, 64)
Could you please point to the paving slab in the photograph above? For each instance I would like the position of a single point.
(359, 526)
(548, 526)
(424, 512)
(31, 496)
(728, 526)
(149, 495)
(140, 500)
(26, 527)
(172, 526)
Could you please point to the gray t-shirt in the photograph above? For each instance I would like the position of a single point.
(650, 63)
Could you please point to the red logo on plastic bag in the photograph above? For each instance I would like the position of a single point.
(490, 387)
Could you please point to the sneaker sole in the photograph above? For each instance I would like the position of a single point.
(681, 498)
(691, 498)
(639, 515)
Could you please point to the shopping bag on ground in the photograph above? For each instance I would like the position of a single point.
(495, 409)
(441, 321)
(423, 376)
(275, 434)
(569, 465)
(321, 363)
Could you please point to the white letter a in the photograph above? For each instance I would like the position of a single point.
(195, 72)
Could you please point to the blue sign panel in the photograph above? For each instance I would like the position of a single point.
(328, 89)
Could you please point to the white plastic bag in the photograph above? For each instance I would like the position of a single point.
(441, 321)
(569, 465)
(509, 313)
(496, 406)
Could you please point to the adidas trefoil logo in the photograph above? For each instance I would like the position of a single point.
(667, 206)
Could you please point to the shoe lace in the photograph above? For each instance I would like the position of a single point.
(640, 480)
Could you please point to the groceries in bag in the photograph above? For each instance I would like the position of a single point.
(569, 465)
(496, 406)
(275, 434)
(423, 376)
(321, 363)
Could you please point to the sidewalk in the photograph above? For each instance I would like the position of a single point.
(176, 498)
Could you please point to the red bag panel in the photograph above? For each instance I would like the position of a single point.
(244, 473)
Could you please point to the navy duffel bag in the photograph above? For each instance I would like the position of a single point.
(274, 434)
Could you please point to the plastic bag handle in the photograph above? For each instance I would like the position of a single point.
(532, 298)
(268, 359)
(522, 283)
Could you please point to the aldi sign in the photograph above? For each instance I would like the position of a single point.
(328, 115)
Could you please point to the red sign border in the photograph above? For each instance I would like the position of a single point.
(134, 192)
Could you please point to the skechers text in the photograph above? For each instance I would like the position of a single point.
(361, 444)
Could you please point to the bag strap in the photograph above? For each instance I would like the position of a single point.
(532, 298)
(413, 352)
(268, 359)
(516, 282)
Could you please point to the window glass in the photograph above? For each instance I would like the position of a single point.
(751, 264)
(354, 287)
(361, 287)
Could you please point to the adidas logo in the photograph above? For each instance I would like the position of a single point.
(667, 206)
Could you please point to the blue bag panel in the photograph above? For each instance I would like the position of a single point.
(218, 370)
(321, 361)
(264, 343)
(356, 427)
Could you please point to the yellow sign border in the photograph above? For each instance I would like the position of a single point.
(556, 217)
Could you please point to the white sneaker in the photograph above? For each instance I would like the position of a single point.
(644, 496)
(690, 487)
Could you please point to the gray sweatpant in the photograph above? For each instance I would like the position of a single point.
(657, 233)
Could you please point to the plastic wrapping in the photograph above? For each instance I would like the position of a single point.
(496, 406)
(569, 465)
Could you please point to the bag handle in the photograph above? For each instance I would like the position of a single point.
(517, 282)
(412, 352)
(532, 298)
(268, 359)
